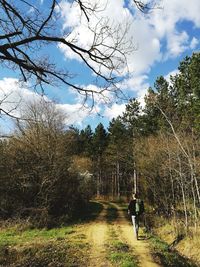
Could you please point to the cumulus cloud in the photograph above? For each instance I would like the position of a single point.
(75, 113)
(114, 111)
(171, 74)
(14, 97)
(148, 33)
(157, 37)
(167, 27)
(194, 43)
(177, 44)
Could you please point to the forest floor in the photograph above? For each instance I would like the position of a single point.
(106, 239)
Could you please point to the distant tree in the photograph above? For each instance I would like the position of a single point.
(119, 154)
(99, 142)
(85, 141)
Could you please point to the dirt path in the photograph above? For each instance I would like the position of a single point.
(141, 247)
(97, 236)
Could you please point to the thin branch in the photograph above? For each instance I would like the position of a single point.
(5, 36)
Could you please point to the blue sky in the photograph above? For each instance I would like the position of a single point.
(162, 39)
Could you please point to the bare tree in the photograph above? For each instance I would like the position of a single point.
(26, 28)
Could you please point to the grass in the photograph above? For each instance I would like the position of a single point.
(118, 252)
(14, 236)
(22, 245)
(167, 257)
(64, 252)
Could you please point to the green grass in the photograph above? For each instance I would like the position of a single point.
(33, 248)
(167, 257)
(14, 236)
(23, 245)
(58, 253)
(118, 252)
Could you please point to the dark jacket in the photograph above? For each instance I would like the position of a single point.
(132, 207)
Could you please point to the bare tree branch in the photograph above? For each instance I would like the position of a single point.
(26, 27)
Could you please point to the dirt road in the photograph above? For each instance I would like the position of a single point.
(97, 236)
(141, 246)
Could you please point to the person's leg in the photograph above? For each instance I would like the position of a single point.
(134, 225)
(137, 225)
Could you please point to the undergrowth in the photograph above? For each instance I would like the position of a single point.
(166, 256)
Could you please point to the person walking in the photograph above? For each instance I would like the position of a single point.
(135, 210)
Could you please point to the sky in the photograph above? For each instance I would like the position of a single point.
(161, 39)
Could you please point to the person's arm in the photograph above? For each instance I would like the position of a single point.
(142, 206)
(129, 206)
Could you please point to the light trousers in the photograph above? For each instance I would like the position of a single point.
(135, 221)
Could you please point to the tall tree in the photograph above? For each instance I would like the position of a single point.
(119, 154)
(99, 145)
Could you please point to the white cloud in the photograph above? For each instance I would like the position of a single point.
(14, 97)
(167, 21)
(148, 33)
(75, 113)
(177, 44)
(157, 37)
(97, 31)
(14, 94)
(114, 111)
(194, 43)
(171, 73)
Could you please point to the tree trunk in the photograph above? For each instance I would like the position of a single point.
(135, 180)
(118, 179)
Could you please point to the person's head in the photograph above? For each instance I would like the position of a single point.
(135, 195)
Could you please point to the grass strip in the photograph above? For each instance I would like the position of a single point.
(118, 252)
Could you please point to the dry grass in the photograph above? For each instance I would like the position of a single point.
(22, 245)
(188, 246)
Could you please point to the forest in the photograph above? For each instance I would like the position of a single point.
(65, 190)
(50, 171)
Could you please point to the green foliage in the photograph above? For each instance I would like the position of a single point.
(85, 141)
(99, 141)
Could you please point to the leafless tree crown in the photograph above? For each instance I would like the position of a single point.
(26, 28)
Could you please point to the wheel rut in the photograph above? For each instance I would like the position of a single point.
(141, 246)
(97, 233)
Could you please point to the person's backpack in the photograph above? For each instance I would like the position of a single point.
(139, 206)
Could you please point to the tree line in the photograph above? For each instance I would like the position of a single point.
(48, 170)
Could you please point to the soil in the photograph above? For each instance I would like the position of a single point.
(140, 246)
(97, 235)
